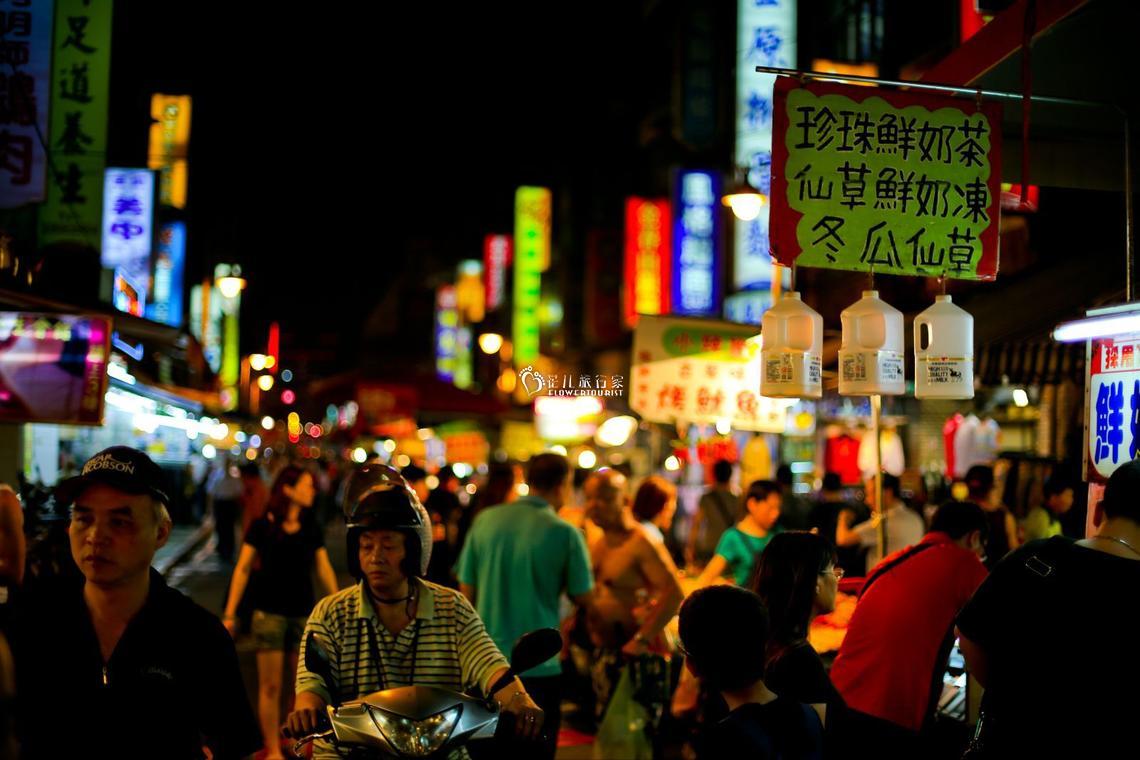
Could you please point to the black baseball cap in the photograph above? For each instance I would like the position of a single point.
(121, 467)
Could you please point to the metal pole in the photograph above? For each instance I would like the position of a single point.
(1129, 223)
(972, 91)
(876, 412)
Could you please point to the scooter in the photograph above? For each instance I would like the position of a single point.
(418, 721)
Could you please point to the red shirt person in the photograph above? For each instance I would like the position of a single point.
(886, 665)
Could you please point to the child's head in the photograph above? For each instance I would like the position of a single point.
(727, 657)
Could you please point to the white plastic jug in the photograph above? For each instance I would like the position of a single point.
(944, 351)
(871, 350)
(792, 355)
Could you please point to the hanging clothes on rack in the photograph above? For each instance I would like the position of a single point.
(892, 458)
(966, 445)
(949, 432)
(841, 456)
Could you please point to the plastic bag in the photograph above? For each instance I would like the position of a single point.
(622, 733)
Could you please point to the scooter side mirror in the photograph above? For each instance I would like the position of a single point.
(317, 662)
(534, 648)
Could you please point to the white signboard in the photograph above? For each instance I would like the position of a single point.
(701, 371)
(766, 36)
(128, 223)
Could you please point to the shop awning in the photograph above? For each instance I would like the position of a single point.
(1082, 50)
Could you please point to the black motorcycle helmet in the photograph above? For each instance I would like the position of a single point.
(376, 497)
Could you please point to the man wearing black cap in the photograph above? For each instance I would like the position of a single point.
(1051, 635)
(123, 664)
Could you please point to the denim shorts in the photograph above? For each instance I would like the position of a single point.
(277, 632)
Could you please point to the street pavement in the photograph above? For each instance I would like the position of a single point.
(204, 576)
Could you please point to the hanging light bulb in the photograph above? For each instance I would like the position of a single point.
(745, 201)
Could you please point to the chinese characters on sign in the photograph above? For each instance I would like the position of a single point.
(77, 137)
(25, 70)
(496, 259)
(169, 140)
(532, 256)
(695, 267)
(165, 303)
(128, 213)
(647, 225)
(1113, 406)
(898, 183)
(701, 371)
(446, 332)
(766, 36)
(53, 368)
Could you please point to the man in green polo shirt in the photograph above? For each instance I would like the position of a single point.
(518, 560)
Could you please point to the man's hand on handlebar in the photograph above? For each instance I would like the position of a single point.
(308, 717)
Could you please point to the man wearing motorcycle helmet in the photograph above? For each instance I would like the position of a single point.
(394, 628)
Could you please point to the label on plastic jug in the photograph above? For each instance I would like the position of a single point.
(778, 369)
(815, 367)
(944, 370)
(854, 368)
(890, 366)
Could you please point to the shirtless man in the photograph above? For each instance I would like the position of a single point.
(633, 573)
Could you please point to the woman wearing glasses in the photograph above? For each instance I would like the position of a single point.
(797, 578)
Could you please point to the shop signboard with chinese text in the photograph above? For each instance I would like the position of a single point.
(899, 183)
(701, 371)
(25, 55)
(53, 367)
(532, 257)
(496, 259)
(81, 65)
(169, 143)
(128, 226)
(446, 332)
(165, 303)
(647, 254)
(766, 36)
(695, 267)
(1113, 435)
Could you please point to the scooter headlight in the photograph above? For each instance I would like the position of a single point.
(417, 738)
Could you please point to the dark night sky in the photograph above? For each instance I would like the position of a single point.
(327, 147)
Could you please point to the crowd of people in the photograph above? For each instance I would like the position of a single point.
(444, 585)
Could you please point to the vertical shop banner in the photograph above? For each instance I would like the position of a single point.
(766, 36)
(53, 367)
(470, 293)
(647, 257)
(1113, 409)
(464, 369)
(446, 332)
(25, 91)
(696, 263)
(77, 136)
(169, 146)
(128, 229)
(496, 261)
(701, 371)
(899, 183)
(165, 303)
(206, 323)
(532, 256)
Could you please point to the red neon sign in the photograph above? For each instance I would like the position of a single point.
(647, 245)
(496, 261)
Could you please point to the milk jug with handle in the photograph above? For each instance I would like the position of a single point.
(792, 356)
(944, 351)
(871, 352)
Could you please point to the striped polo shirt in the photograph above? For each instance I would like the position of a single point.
(450, 645)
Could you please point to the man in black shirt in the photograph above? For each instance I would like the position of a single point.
(1050, 632)
(730, 659)
(121, 664)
